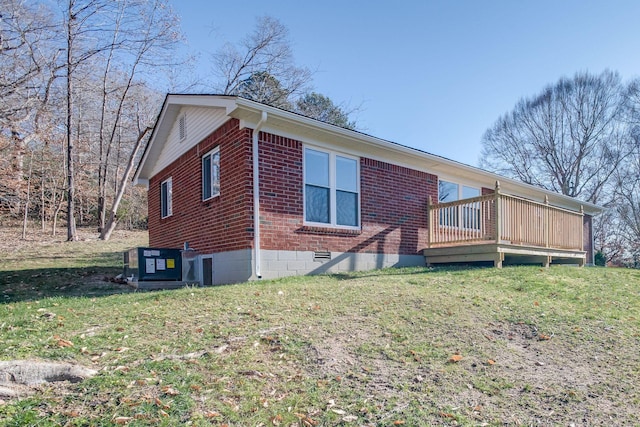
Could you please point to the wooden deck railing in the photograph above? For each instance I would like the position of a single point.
(502, 218)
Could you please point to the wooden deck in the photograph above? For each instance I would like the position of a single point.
(502, 228)
(503, 253)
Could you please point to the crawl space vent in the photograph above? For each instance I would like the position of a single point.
(321, 255)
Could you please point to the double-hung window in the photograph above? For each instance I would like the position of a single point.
(331, 189)
(166, 202)
(465, 216)
(211, 174)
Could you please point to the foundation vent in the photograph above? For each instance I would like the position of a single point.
(319, 255)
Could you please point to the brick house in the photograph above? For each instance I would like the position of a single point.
(330, 199)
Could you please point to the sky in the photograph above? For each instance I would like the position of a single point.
(432, 75)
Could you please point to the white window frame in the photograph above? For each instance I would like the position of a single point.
(459, 216)
(333, 212)
(169, 197)
(211, 174)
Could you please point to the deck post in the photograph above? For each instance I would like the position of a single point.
(498, 259)
(497, 213)
(582, 234)
(429, 222)
(547, 223)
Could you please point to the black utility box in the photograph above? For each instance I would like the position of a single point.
(153, 264)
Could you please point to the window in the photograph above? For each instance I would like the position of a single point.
(470, 213)
(182, 127)
(166, 208)
(211, 174)
(331, 189)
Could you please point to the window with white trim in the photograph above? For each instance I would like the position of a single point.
(211, 174)
(470, 214)
(166, 198)
(331, 189)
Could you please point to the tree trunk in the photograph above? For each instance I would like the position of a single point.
(112, 221)
(25, 218)
(71, 218)
(43, 211)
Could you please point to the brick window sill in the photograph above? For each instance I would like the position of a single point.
(308, 229)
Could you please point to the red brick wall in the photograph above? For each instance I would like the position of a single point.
(393, 205)
(223, 223)
(393, 202)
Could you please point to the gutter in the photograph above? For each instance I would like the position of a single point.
(256, 195)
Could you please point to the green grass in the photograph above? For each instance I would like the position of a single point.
(44, 266)
(539, 347)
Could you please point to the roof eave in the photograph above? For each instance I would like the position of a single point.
(434, 161)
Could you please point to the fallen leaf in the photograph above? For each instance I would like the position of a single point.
(161, 404)
(350, 418)
(308, 421)
(543, 337)
(446, 415)
(491, 362)
(122, 420)
(64, 343)
(398, 422)
(170, 391)
(338, 411)
(211, 414)
(455, 358)
(163, 413)
(536, 303)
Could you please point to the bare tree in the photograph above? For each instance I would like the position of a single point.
(128, 38)
(84, 37)
(105, 234)
(627, 186)
(265, 53)
(144, 36)
(27, 71)
(567, 139)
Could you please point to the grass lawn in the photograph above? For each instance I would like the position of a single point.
(414, 347)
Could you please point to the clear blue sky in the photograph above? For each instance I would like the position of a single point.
(433, 75)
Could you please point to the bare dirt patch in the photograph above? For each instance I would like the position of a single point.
(20, 378)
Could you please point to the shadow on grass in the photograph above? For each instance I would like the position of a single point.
(35, 284)
(102, 259)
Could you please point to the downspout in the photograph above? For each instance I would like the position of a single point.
(256, 196)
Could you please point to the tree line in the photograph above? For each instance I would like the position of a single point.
(81, 83)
